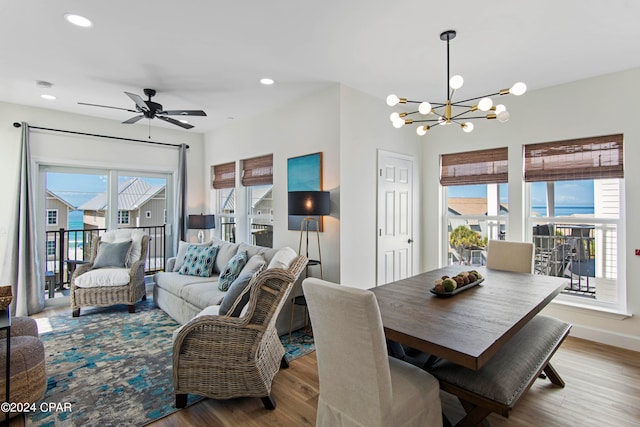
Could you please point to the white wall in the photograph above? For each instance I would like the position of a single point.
(74, 150)
(305, 126)
(598, 106)
(364, 129)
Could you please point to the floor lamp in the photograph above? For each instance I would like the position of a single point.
(201, 222)
(311, 204)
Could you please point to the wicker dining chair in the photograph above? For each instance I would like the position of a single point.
(103, 296)
(225, 357)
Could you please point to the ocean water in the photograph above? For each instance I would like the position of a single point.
(75, 220)
(565, 210)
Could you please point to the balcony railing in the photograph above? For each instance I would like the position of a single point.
(66, 249)
(570, 250)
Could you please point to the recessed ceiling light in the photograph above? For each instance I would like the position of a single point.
(184, 121)
(267, 81)
(78, 20)
(47, 96)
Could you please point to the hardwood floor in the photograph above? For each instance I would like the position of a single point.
(602, 389)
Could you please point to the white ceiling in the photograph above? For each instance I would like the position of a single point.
(206, 54)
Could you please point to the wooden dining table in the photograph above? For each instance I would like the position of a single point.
(467, 328)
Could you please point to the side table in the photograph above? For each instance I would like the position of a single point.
(300, 299)
(5, 324)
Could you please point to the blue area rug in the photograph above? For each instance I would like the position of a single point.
(113, 368)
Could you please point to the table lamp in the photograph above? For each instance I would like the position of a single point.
(201, 222)
(310, 204)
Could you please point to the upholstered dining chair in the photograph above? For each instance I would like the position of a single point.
(510, 256)
(224, 357)
(115, 274)
(359, 384)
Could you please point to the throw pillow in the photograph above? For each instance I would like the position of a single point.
(112, 254)
(123, 235)
(182, 251)
(283, 258)
(255, 263)
(199, 261)
(240, 286)
(226, 252)
(231, 270)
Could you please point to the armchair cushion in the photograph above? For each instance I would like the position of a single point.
(103, 277)
(231, 270)
(199, 260)
(112, 254)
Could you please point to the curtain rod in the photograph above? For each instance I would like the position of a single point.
(17, 125)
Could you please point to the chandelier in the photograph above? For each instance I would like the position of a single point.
(450, 111)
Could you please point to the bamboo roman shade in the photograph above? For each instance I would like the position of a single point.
(224, 176)
(575, 159)
(474, 167)
(257, 171)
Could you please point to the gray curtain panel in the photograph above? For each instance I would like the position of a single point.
(181, 199)
(21, 266)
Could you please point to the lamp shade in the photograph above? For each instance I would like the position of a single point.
(309, 203)
(201, 222)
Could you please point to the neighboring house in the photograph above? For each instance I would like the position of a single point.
(464, 206)
(139, 205)
(56, 217)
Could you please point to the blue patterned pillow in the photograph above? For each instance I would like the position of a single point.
(231, 270)
(199, 260)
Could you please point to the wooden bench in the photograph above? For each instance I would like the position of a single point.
(499, 385)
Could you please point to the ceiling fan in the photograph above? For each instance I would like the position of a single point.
(150, 110)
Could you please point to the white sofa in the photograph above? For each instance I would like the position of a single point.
(183, 297)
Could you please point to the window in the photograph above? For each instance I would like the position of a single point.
(224, 182)
(147, 214)
(123, 217)
(257, 176)
(575, 189)
(260, 201)
(475, 191)
(52, 216)
(51, 247)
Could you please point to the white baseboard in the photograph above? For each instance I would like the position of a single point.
(606, 337)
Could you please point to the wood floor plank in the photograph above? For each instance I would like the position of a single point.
(602, 389)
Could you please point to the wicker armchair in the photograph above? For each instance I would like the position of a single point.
(103, 296)
(224, 357)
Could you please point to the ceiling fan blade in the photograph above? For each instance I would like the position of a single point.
(107, 106)
(139, 101)
(183, 113)
(175, 122)
(133, 119)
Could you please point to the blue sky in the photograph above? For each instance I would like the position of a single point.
(567, 193)
(78, 188)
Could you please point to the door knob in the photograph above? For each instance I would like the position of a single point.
(410, 241)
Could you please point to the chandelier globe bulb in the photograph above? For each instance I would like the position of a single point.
(392, 100)
(503, 116)
(485, 104)
(456, 82)
(518, 89)
(424, 108)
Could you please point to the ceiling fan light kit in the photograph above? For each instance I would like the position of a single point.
(153, 110)
(450, 111)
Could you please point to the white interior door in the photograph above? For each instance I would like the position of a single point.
(395, 217)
